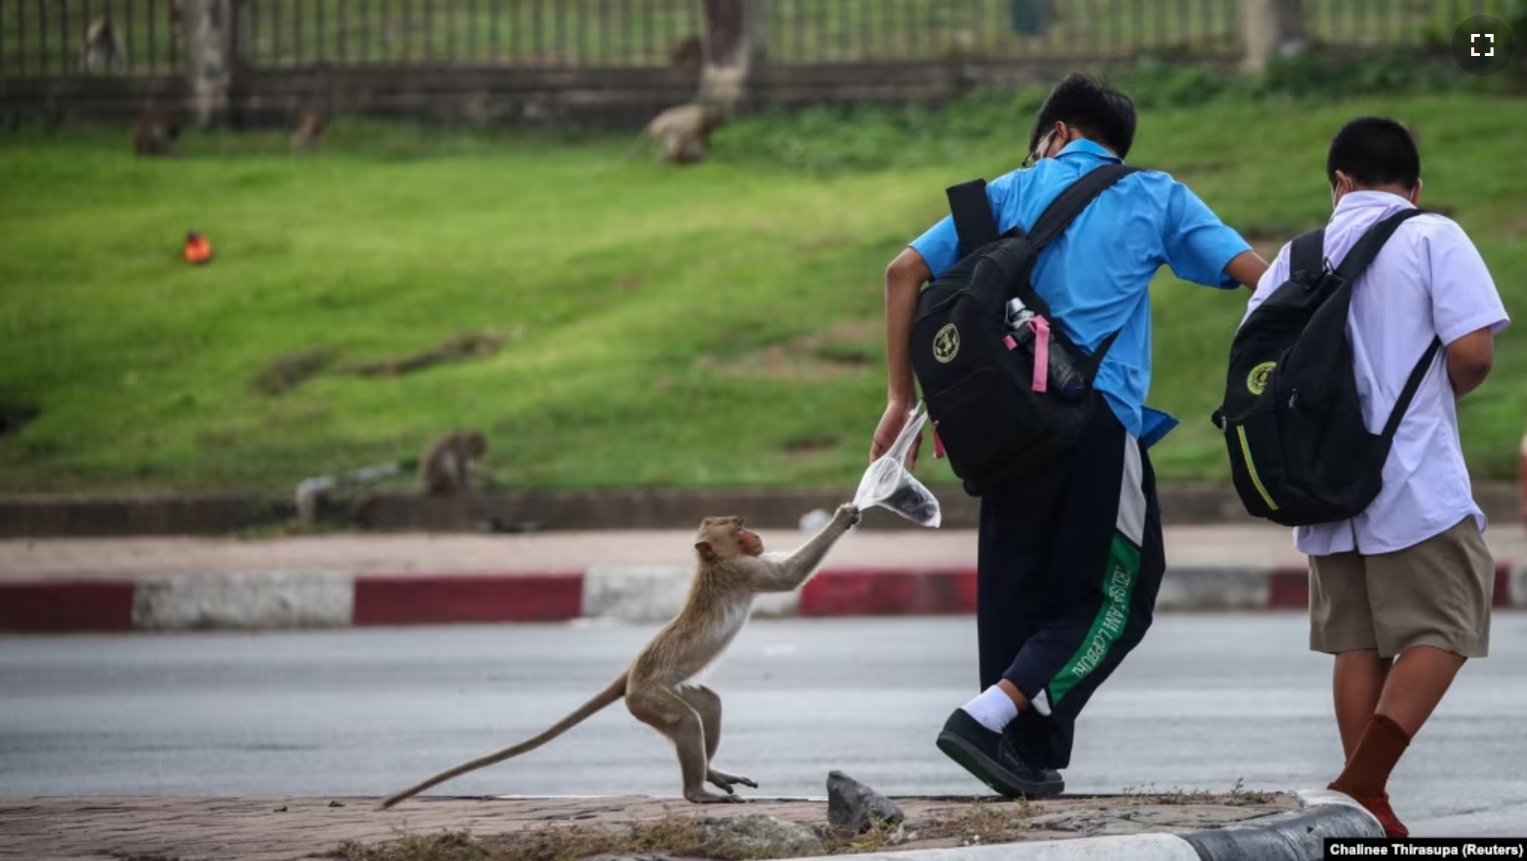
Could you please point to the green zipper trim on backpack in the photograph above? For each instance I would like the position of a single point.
(1251, 469)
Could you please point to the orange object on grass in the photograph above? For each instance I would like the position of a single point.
(198, 249)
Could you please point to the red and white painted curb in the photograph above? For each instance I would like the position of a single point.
(275, 600)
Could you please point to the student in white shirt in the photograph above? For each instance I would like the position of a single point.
(1401, 593)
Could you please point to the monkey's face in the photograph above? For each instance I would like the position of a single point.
(749, 541)
(477, 444)
(724, 537)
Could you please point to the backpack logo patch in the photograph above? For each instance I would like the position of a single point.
(946, 344)
(1256, 381)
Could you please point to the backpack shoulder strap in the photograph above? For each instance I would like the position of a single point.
(1367, 248)
(1070, 203)
(1054, 221)
(973, 219)
(1417, 374)
(1307, 253)
(1353, 265)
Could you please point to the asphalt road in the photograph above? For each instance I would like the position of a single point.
(1206, 701)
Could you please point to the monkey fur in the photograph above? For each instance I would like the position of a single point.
(103, 49)
(683, 132)
(731, 568)
(687, 54)
(447, 464)
(156, 131)
(309, 134)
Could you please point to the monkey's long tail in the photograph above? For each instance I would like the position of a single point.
(611, 694)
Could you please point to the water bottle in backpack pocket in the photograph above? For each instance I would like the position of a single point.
(1031, 332)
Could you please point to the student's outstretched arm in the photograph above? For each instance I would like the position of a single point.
(1248, 267)
(1202, 249)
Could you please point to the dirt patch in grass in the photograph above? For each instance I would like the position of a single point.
(810, 444)
(459, 349)
(293, 369)
(847, 348)
(14, 417)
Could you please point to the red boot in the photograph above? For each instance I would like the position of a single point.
(1378, 805)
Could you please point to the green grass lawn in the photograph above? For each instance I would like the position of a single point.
(718, 325)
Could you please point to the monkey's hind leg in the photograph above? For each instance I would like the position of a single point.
(664, 710)
(707, 703)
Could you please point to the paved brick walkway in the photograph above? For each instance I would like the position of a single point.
(303, 829)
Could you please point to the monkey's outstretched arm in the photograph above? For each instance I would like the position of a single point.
(775, 574)
(610, 694)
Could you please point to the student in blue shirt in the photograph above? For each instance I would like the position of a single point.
(1070, 557)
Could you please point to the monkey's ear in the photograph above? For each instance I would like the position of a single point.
(706, 552)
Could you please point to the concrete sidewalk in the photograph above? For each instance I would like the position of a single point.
(307, 829)
(422, 553)
(113, 584)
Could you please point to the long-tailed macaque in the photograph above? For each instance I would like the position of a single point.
(450, 461)
(687, 53)
(684, 131)
(103, 49)
(731, 568)
(309, 134)
(156, 130)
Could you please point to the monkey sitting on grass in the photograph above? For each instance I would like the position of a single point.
(731, 568)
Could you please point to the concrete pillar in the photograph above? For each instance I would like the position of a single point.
(735, 46)
(209, 58)
(1268, 27)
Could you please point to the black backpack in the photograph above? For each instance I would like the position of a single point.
(977, 380)
(1299, 451)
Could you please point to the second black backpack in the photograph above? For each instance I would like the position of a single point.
(1300, 453)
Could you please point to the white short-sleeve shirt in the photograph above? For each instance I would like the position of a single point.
(1428, 281)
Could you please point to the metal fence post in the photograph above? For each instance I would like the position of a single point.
(735, 43)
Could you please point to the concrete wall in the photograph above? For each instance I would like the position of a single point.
(593, 98)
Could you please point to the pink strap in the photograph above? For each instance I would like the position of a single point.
(938, 447)
(1010, 342)
(1041, 328)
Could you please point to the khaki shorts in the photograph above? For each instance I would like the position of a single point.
(1436, 593)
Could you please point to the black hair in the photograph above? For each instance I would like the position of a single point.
(1375, 151)
(1101, 112)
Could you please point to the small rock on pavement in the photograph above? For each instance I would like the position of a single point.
(760, 836)
(853, 806)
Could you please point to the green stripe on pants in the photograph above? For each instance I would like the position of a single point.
(1123, 570)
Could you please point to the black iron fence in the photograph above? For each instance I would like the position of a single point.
(46, 38)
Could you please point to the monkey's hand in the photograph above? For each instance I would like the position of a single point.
(847, 516)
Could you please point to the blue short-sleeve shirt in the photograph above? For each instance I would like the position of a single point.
(1096, 276)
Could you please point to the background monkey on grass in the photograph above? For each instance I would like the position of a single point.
(731, 568)
(450, 461)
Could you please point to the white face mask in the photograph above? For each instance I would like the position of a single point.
(1038, 153)
(1342, 187)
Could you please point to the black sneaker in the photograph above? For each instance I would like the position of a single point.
(991, 757)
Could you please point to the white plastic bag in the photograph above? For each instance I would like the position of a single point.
(888, 484)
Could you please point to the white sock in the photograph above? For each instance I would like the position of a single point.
(993, 709)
